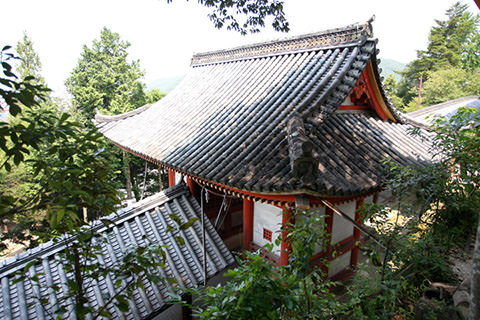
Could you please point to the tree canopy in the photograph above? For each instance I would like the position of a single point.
(453, 50)
(246, 16)
(104, 79)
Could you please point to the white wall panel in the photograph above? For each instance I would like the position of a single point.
(268, 217)
(339, 264)
(342, 228)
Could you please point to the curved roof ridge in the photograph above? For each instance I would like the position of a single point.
(107, 118)
(349, 35)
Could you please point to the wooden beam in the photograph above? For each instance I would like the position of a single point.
(330, 205)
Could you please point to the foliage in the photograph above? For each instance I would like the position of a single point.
(66, 161)
(391, 87)
(72, 171)
(255, 12)
(154, 95)
(457, 140)
(448, 84)
(104, 79)
(452, 44)
(30, 65)
(260, 290)
(84, 260)
(436, 206)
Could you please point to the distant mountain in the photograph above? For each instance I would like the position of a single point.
(168, 83)
(165, 84)
(389, 66)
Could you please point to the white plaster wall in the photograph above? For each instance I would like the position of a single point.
(342, 228)
(347, 102)
(384, 197)
(368, 199)
(339, 264)
(268, 217)
(178, 178)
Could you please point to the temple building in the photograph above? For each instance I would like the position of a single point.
(268, 127)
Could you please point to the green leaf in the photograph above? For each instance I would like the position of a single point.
(175, 218)
(189, 223)
(180, 240)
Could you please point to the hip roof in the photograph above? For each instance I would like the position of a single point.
(226, 122)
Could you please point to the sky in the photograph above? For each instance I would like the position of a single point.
(164, 37)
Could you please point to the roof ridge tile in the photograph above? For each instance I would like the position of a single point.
(350, 35)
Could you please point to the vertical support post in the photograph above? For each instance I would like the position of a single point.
(171, 178)
(160, 182)
(285, 247)
(328, 228)
(420, 92)
(191, 185)
(356, 234)
(247, 223)
(186, 310)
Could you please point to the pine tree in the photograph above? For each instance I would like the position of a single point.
(29, 62)
(446, 41)
(451, 44)
(104, 79)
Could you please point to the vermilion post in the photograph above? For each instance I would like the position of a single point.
(247, 223)
(171, 178)
(285, 247)
(356, 234)
(191, 185)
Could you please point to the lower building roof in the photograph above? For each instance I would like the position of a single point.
(445, 109)
(142, 224)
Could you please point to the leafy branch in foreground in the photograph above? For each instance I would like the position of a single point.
(72, 169)
(258, 289)
(254, 13)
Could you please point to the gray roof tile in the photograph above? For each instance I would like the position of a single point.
(226, 121)
(146, 218)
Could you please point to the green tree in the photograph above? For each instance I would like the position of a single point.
(448, 84)
(67, 163)
(451, 44)
(30, 65)
(154, 95)
(104, 79)
(391, 87)
(75, 170)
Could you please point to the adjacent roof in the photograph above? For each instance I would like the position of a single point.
(444, 109)
(226, 122)
(145, 221)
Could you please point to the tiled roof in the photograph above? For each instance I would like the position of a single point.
(226, 121)
(444, 109)
(145, 221)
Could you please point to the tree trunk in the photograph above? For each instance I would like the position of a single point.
(128, 179)
(474, 310)
(160, 180)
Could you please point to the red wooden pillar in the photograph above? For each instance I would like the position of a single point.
(191, 185)
(247, 223)
(329, 228)
(285, 247)
(171, 178)
(356, 234)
